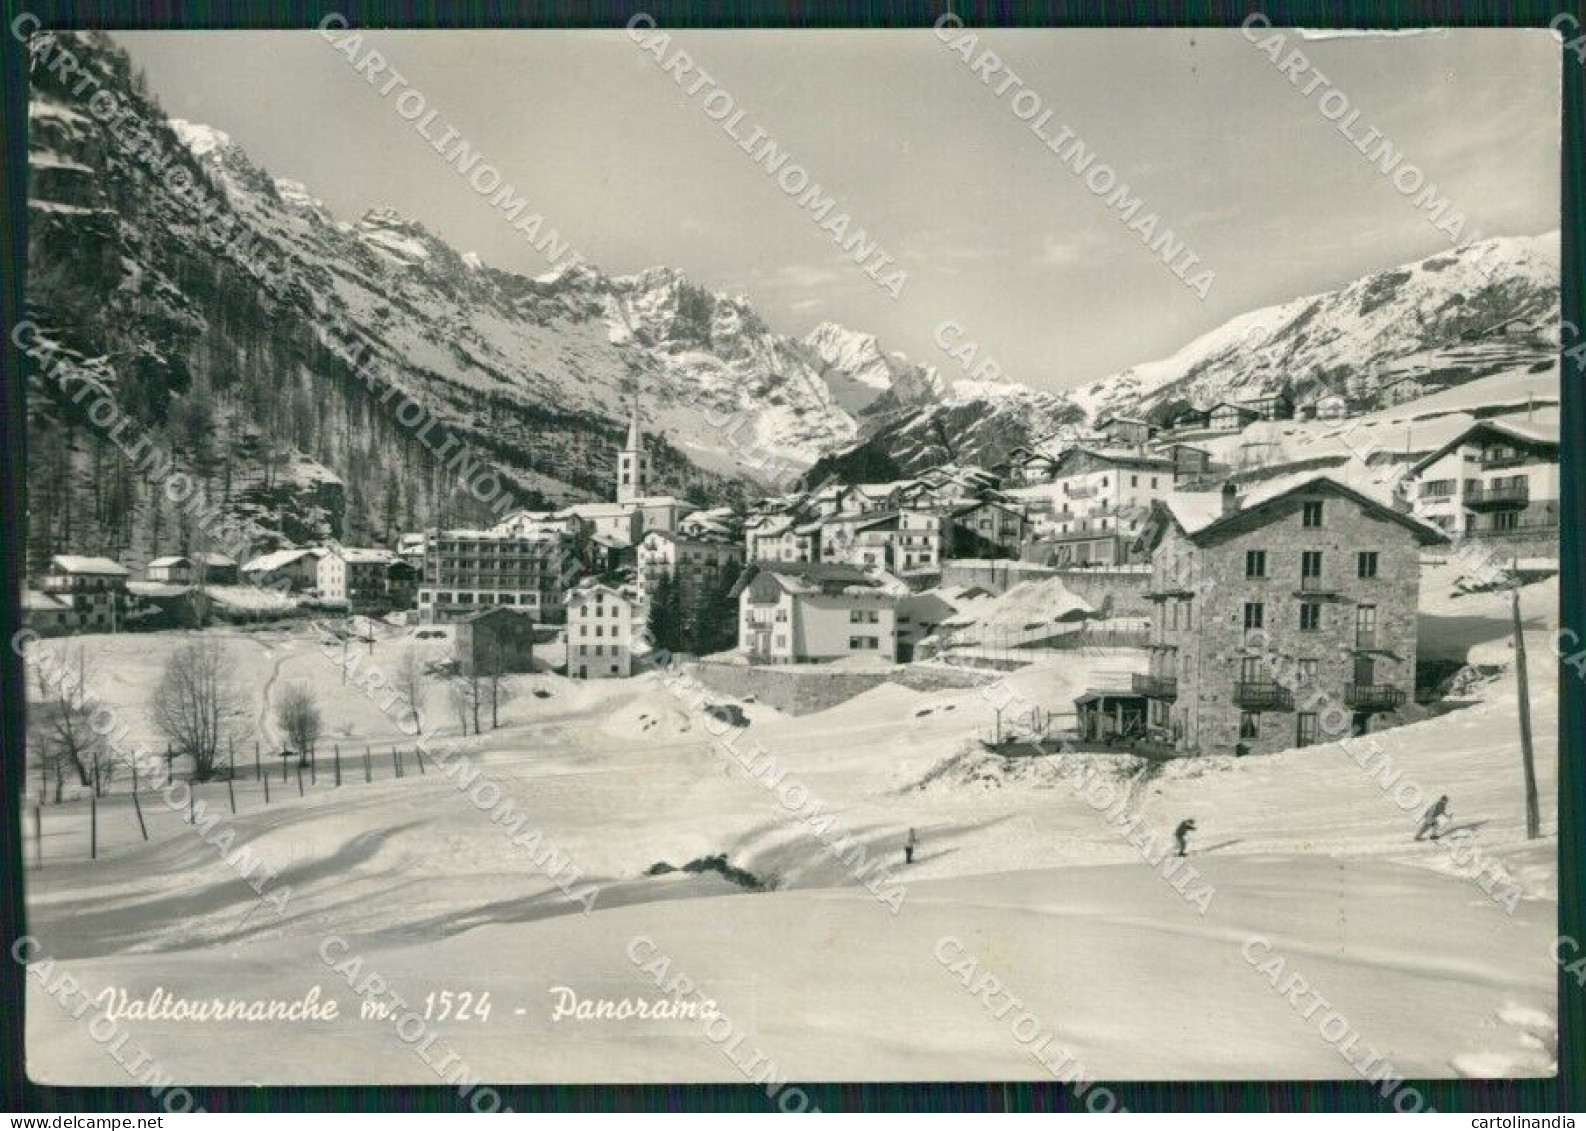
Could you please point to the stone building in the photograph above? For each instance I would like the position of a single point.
(497, 639)
(1283, 618)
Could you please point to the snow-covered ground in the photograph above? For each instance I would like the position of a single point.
(1303, 849)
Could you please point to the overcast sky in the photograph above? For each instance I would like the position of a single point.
(993, 230)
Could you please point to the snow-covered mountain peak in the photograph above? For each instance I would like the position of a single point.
(1431, 316)
(200, 139)
(402, 240)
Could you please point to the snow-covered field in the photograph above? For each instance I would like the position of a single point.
(1303, 849)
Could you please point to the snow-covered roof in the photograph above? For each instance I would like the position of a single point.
(1128, 457)
(1538, 428)
(35, 601)
(587, 591)
(658, 501)
(99, 567)
(596, 510)
(167, 562)
(156, 589)
(1200, 512)
(831, 579)
(276, 559)
(364, 555)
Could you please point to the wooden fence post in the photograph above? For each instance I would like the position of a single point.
(137, 807)
(258, 770)
(418, 756)
(396, 760)
(283, 769)
(313, 770)
(367, 775)
(93, 827)
(231, 796)
(300, 776)
(337, 748)
(266, 780)
(38, 834)
(192, 794)
(170, 757)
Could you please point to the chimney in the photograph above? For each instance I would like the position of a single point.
(1230, 499)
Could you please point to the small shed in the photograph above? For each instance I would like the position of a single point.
(1110, 716)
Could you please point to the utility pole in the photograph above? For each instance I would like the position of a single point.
(1533, 813)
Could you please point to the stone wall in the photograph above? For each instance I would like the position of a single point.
(995, 576)
(1127, 588)
(803, 689)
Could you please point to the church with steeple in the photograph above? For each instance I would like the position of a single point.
(616, 527)
(633, 465)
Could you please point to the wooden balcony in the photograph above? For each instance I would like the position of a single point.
(1263, 696)
(1499, 495)
(1372, 697)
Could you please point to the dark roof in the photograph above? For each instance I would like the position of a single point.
(493, 611)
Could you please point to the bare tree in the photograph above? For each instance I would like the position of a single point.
(297, 714)
(196, 703)
(412, 683)
(466, 691)
(64, 727)
(491, 670)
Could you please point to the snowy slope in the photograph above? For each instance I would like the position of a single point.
(1302, 848)
(1407, 319)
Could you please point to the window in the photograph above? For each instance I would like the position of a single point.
(1255, 614)
(1312, 514)
(1305, 730)
(1311, 563)
(1249, 724)
(1305, 671)
(1438, 488)
(1189, 612)
(1134, 481)
(1255, 563)
(1506, 520)
(1310, 616)
(1153, 482)
(1366, 563)
(1366, 626)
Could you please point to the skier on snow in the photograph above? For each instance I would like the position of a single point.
(908, 848)
(1434, 820)
(1181, 834)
